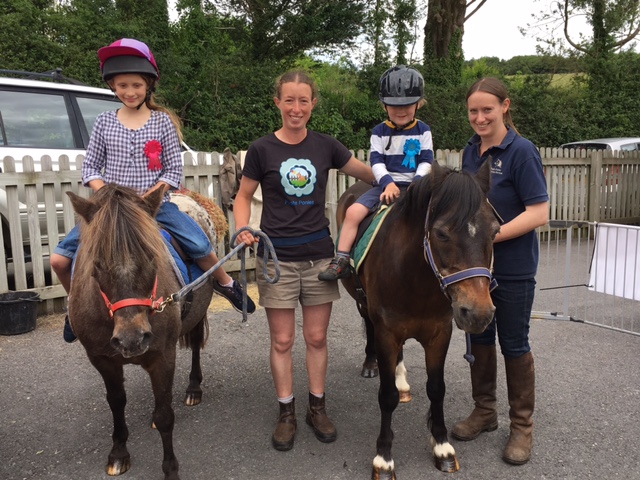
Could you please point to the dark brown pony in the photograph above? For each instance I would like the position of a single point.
(445, 216)
(122, 273)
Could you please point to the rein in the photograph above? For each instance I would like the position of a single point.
(268, 251)
(159, 304)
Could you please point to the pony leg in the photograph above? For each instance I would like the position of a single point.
(119, 460)
(370, 364)
(161, 371)
(401, 379)
(194, 391)
(443, 452)
(388, 399)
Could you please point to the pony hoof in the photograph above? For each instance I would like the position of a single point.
(383, 474)
(192, 399)
(118, 467)
(369, 371)
(447, 464)
(405, 397)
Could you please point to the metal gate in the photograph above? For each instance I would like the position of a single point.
(590, 273)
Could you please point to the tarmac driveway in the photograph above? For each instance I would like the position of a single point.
(55, 422)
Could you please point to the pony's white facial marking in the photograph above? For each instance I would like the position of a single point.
(473, 229)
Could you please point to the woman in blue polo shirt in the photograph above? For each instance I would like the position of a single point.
(519, 195)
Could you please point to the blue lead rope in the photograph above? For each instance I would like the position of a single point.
(268, 251)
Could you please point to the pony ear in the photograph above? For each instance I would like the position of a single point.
(83, 207)
(153, 200)
(484, 175)
(437, 174)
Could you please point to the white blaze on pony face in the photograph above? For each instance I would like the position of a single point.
(473, 229)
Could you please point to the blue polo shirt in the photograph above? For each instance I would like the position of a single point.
(517, 180)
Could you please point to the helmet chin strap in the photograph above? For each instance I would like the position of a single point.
(396, 127)
(147, 97)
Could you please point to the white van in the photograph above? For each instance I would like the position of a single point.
(625, 144)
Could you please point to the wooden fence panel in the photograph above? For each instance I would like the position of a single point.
(583, 186)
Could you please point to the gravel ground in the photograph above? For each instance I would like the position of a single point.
(56, 423)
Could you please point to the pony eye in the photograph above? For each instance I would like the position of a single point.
(440, 234)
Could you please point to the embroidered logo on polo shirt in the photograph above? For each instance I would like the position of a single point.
(496, 166)
(298, 176)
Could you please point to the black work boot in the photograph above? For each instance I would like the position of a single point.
(317, 419)
(285, 430)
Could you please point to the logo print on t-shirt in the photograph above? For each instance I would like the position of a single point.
(298, 177)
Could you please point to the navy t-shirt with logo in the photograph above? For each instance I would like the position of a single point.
(517, 180)
(294, 183)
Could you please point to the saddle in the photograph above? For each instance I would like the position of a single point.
(367, 231)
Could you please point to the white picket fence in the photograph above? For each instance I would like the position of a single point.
(593, 186)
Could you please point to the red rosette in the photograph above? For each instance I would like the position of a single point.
(152, 150)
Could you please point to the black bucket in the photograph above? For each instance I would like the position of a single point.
(18, 312)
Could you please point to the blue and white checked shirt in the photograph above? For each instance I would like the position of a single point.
(116, 154)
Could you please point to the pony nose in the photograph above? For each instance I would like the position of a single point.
(471, 318)
(131, 344)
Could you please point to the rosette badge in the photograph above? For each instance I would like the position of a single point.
(152, 150)
(411, 151)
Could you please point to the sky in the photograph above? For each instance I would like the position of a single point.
(493, 31)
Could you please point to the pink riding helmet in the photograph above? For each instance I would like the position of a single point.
(127, 55)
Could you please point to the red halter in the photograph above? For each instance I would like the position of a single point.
(130, 302)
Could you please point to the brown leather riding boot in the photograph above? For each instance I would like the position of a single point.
(317, 419)
(521, 388)
(285, 431)
(484, 417)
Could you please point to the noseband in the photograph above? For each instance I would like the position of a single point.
(446, 280)
(156, 305)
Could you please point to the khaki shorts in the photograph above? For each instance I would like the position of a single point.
(298, 283)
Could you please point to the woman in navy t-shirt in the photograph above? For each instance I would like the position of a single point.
(519, 195)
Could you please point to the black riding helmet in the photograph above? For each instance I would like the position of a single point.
(401, 86)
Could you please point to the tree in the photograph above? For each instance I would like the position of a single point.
(286, 28)
(443, 32)
(25, 27)
(147, 21)
(404, 15)
(614, 24)
(374, 30)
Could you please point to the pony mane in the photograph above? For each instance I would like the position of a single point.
(455, 194)
(121, 231)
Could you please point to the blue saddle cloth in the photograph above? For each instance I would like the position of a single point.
(186, 273)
